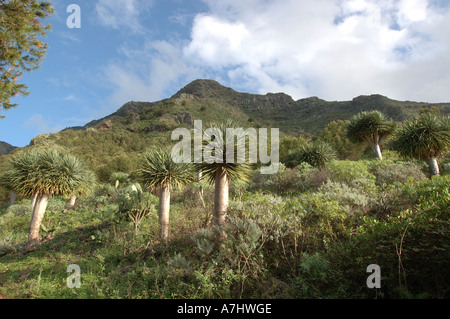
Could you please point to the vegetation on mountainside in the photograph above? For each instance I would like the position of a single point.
(308, 231)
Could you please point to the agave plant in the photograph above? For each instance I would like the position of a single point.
(426, 138)
(159, 170)
(46, 173)
(371, 127)
(316, 154)
(134, 204)
(225, 168)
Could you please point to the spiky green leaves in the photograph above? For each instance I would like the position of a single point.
(423, 137)
(315, 154)
(159, 169)
(371, 127)
(48, 172)
(227, 153)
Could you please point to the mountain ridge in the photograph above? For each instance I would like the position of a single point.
(293, 117)
(309, 114)
(6, 148)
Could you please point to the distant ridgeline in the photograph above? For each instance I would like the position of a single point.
(309, 115)
(6, 148)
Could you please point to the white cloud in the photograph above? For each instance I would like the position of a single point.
(41, 125)
(147, 73)
(122, 14)
(411, 11)
(127, 85)
(333, 49)
(215, 37)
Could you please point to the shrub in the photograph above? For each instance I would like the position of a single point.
(387, 172)
(419, 270)
(352, 197)
(135, 205)
(320, 219)
(420, 234)
(22, 208)
(122, 178)
(354, 174)
(434, 194)
(315, 277)
(232, 269)
(335, 133)
(285, 181)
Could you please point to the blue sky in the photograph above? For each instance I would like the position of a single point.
(146, 50)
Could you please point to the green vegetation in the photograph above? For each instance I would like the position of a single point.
(222, 172)
(308, 231)
(159, 170)
(316, 154)
(425, 138)
(335, 134)
(5, 148)
(22, 50)
(372, 128)
(315, 242)
(45, 173)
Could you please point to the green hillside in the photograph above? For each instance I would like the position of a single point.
(308, 231)
(115, 142)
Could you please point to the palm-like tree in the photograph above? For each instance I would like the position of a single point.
(46, 173)
(222, 173)
(88, 183)
(5, 181)
(159, 170)
(426, 138)
(371, 127)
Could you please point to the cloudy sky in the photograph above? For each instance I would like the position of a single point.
(146, 50)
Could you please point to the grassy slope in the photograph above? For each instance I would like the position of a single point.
(117, 264)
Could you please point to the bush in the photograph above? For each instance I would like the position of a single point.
(320, 220)
(434, 194)
(285, 181)
(135, 205)
(420, 234)
(387, 172)
(22, 208)
(354, 174)
(354, 198)
(231, 269)
(122, 178)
